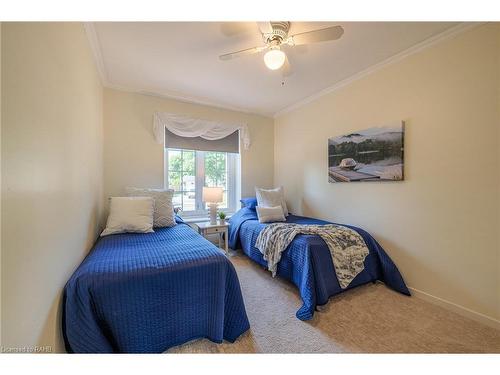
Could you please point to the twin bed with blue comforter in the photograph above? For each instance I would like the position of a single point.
(147, 292)
(307, 261)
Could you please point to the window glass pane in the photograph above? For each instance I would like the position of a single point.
(177, 200)
(174, 181)
(215, 169)
(182, 176)
(222, 168)
(221, 162)
(223, 181)
(188, 163)
(188, 201)
(210, 158)
(188, 182)
(174, 160)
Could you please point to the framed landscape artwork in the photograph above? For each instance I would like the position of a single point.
(374, 154)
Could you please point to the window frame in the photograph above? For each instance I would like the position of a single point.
(233, 172)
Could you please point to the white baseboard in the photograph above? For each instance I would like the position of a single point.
(461, 310)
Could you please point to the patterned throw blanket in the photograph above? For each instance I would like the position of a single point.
(347, 247)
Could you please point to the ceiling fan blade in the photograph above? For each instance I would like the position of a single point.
(244, 52)
(286, 69)
(315, 36)
(265, 27)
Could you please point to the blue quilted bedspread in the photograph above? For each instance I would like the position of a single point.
(144, 293)
(307, 261)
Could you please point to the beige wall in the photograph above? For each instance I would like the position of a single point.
(0, 184)
(51, 173)
(133, 158)
(441, 224)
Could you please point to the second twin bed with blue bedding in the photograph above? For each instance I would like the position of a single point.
(307, 261)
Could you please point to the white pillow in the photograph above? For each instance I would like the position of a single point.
(270, 214)
(130, 214)
(164, 215)
(271, 198)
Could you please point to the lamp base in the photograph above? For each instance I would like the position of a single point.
(213, 213)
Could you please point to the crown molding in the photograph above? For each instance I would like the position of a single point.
(186, 99)
(96, 48)
(429, 42)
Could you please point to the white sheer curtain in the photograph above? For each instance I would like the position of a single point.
(192, 127)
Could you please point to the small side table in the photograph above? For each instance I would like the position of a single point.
(205, 228)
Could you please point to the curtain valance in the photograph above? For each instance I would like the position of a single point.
(191, 127)
(230, 144)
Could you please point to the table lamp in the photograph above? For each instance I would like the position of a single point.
(212, 196)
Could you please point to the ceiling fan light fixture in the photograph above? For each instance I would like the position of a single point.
(274, 58)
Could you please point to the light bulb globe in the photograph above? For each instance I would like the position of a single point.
(274, 58)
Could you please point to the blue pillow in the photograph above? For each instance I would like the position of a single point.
(250, 203)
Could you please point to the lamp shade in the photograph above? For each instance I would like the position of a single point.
(212, 194)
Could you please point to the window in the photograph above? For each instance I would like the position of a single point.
(187, 171)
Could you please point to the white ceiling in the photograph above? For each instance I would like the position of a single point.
(180, 59)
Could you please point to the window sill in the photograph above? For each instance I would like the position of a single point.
(200, 219)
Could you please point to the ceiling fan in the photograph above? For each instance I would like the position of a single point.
(275, 36)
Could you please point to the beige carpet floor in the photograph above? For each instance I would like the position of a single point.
(368, 319)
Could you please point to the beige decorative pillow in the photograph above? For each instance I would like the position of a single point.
(164, 209)
(271, 198)
(270, 214)
(130, 214)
